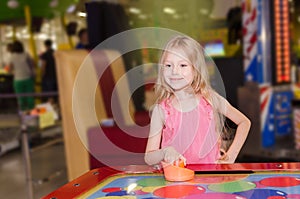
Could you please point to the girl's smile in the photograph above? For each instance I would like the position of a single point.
(177, 71)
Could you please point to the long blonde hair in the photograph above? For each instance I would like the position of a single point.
(200, 84)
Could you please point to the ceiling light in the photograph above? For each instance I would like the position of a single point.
(71, 8)
(203, 11)
(143, 16)
(53, 3)
(13, 4)
(42, 36)
(24, 31)
(134, 10)
(176, 16)
(169, 10)
(81, 14)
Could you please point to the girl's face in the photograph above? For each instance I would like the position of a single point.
(178, 71)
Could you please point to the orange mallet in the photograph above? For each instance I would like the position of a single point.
(177, 173)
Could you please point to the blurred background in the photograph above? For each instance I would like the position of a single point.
(255, 45)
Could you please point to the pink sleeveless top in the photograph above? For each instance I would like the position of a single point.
(191, 133)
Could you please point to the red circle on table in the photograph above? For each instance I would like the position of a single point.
(280, 182)
(111, 189)
(276, 197)
(293, 196)
(214, 196)
(177, 191)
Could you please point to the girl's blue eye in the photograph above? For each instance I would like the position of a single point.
(168, 65)
(183, 65)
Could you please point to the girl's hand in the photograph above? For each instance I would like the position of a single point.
(181, 162)
(172, 156)
(224, 159)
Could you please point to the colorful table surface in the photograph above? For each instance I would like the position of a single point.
(236, 181)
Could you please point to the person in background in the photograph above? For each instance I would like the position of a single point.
(188, 119)
(21, 65)
(9, 47)
(83, 39)
(7, 56)
(48, 70)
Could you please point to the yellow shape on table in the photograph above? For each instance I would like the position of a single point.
(150, 189)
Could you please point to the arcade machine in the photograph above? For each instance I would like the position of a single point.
(267, 94)
(265, 99)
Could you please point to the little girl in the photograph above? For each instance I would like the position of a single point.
(188, 119)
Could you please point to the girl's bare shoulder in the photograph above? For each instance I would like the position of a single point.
(157, 111)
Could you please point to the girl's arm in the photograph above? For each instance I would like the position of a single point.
(243, 127)
(10, 66)
(153, 153)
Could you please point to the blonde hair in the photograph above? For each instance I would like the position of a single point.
(200, 84)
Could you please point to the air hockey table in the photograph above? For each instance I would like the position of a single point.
(228, 181)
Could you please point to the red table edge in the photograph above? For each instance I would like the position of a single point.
(92, 178)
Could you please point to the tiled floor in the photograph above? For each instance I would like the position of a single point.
(48, 172)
